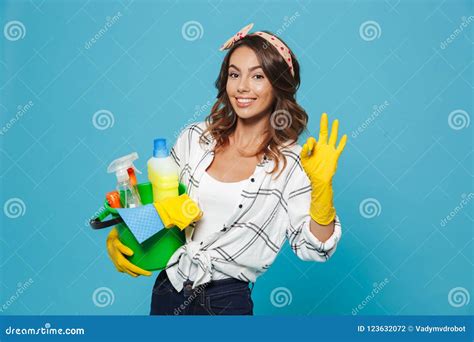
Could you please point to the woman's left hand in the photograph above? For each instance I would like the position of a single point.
(319, 160)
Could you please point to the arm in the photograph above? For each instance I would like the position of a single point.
(319, 161)
(322, 233)
(179, 152)
(170, 212)
(300, 231)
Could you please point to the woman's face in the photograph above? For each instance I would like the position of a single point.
(248, 88)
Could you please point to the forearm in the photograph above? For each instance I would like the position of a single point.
(319, 160)
(322, 233)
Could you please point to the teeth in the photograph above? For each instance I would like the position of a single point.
(245, 100)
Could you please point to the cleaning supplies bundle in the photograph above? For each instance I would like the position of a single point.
(149, 217)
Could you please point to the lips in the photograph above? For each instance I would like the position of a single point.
(245, 101)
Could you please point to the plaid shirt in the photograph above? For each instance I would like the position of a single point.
(269, 212)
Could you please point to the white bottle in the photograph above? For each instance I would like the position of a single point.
(162, 172)
(129, 196)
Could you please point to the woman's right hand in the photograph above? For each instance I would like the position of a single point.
(116, 250)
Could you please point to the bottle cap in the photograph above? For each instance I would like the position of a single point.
(160, 150)
(120, 166)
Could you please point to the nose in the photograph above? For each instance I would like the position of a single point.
(243, 85)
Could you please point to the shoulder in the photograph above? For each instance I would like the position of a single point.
(293, 174)
(192, 133)
(292, 152)
(193, 130)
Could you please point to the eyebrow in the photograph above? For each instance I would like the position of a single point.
(250, 69)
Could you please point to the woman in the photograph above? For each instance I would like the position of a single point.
(255, 185)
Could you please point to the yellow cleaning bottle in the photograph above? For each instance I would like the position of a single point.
(162, 172)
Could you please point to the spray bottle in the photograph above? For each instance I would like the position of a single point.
(128, 192)
(162, 172)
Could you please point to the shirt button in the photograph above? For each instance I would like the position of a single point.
(201, 243)
(224, 229)
(240, 205)
(252, 179)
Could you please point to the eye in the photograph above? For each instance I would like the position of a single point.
(233, 74)
(259, 77)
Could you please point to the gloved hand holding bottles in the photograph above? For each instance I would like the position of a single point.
(178, 211)
(144, 217)
(319, 160)
(117, 252)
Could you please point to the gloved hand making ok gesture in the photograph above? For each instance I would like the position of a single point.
(319, 160)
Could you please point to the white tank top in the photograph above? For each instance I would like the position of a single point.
(217, 200)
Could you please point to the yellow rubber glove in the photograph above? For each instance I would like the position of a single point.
(319, 160)
(116, 251)
(178, 211)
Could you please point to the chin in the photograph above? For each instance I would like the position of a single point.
(245, 114)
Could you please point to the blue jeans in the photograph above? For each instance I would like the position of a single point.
(219, 297)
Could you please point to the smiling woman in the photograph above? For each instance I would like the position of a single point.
(256, 186)
(255, 82)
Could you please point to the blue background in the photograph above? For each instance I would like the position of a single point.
(154, 81)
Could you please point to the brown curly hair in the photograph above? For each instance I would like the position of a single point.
(288, 119)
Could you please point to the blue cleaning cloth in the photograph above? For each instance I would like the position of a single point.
(144, 222)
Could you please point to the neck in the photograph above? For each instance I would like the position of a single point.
(249, 134)
(251, 130)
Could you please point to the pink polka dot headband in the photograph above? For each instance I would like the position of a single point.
(277, 43)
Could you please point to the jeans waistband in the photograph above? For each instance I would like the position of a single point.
(222, 282)
(215, 287)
